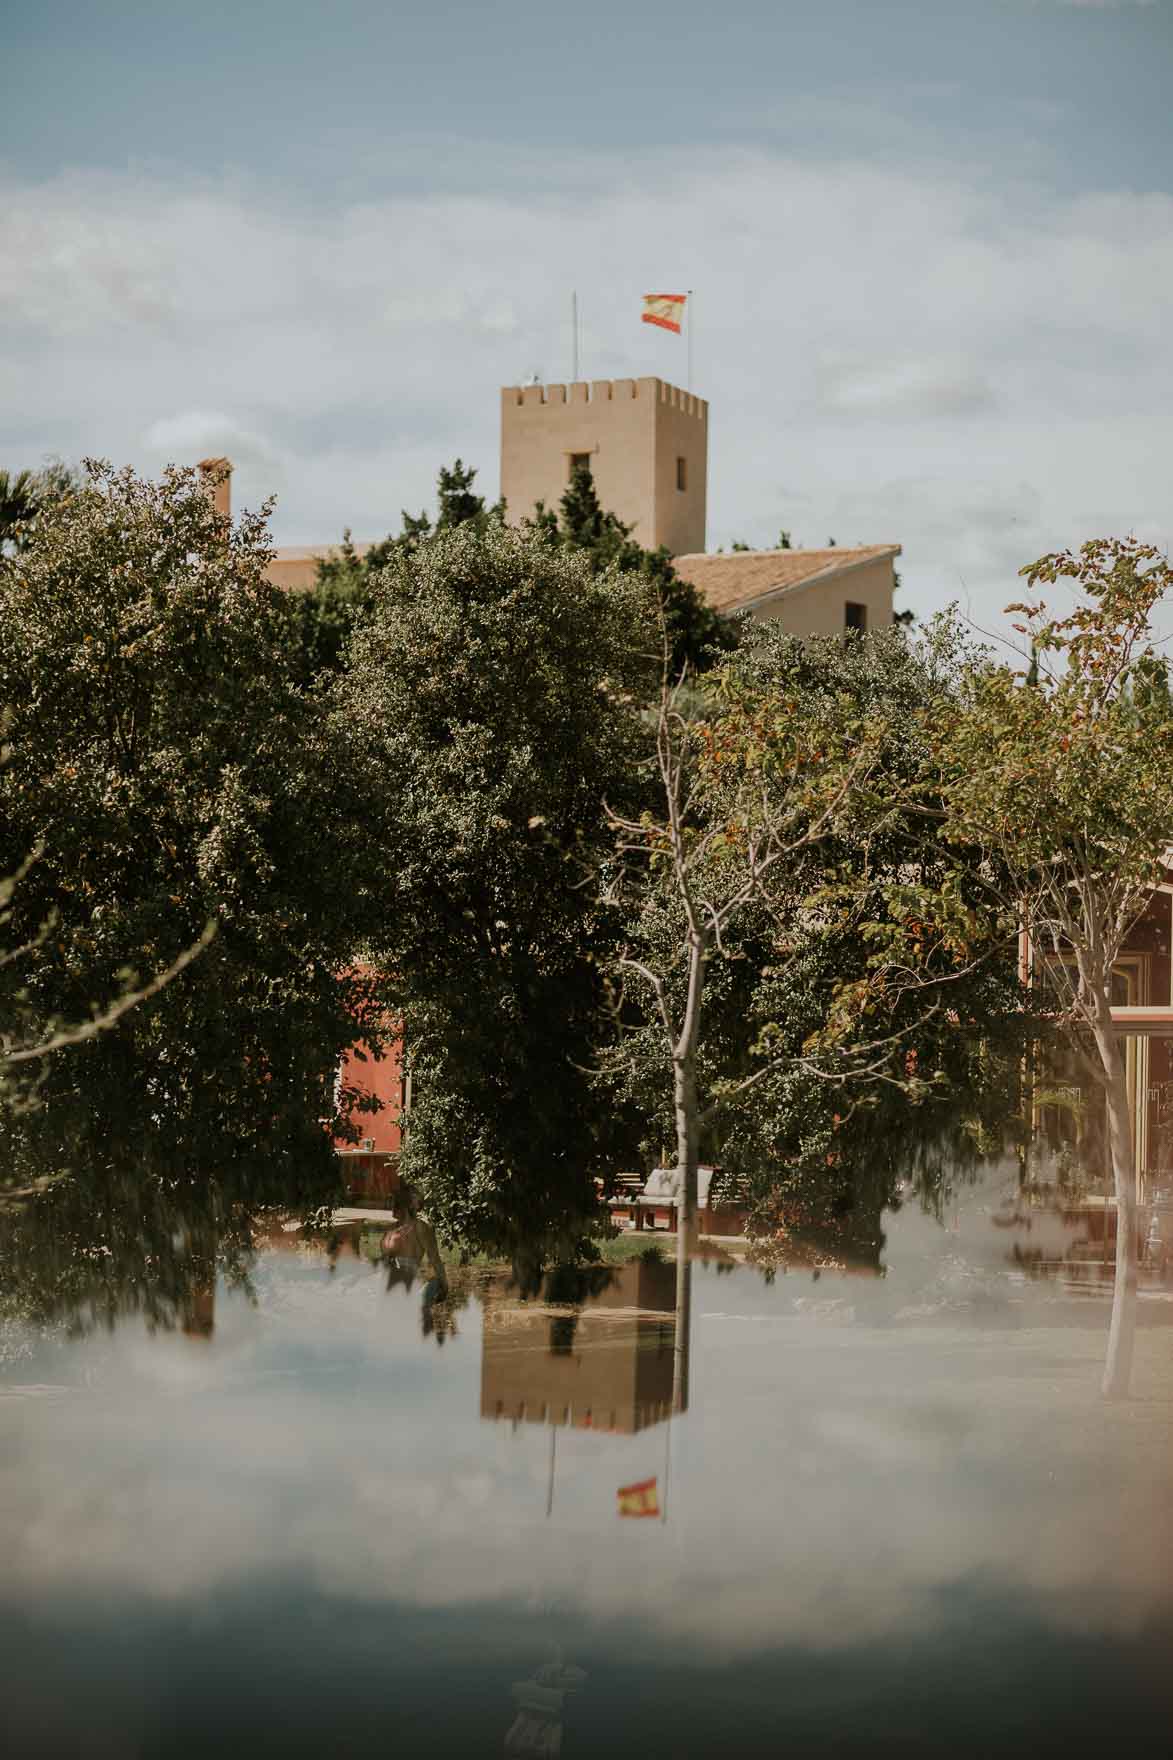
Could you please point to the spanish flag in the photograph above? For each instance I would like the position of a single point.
(664, 309)
(639, 1500)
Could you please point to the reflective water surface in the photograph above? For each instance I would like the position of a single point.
(325, 1512)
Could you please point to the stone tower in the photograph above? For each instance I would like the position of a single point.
(646, 442)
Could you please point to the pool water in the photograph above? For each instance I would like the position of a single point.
(325, 1513)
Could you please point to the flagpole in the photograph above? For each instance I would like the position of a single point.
(574, 337)
(691, 307)
(550, 1482)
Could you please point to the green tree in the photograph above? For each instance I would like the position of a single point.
(494, 692)
(950, 996)
(458, 504)
(1063, 780)
(741, 798)
(320, 622)
(17, 504)
(24, 494)
(27, 1039)
(697, 635)
(170, 775)
(819, 1010)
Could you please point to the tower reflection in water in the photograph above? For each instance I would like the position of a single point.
(596, 1349)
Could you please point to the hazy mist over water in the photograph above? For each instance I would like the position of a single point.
(895, 1513)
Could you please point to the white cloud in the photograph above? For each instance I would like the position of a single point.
(905, 389)
(979, 371)
(197, 433)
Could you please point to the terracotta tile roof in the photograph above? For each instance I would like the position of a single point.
(733, 581)
(306, 552)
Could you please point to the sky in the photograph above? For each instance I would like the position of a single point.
(931, 243)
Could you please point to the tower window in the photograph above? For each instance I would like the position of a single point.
(579, 461)
(682, 473)
(855, 616)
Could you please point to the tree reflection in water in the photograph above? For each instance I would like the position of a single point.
(94, 1229)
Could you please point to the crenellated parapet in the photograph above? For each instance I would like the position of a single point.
(584, 392)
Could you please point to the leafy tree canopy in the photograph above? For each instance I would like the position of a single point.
(494, 692)
(24, 494)
(321, 621)
(876, 934)
(1061, 778)
(170, 775)
(697, 636)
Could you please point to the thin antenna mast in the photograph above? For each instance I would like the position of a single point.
(574, 338)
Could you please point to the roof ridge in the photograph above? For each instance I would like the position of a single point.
(804, 550)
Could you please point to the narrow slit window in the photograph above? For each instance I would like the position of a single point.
(579, 461)
(855, 616)
(682, 473)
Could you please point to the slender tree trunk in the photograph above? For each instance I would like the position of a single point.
(686, 1166)
(682, 1338)
(687, 1149)
(1122, 1330)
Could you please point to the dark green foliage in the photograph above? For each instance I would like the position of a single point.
(584, 525)
(494, 692)
(458, 505)
(697, 637)
(25, 494)
(320, 621)
(905, 618)
(785, 542)
(172, 774)
(17, 504)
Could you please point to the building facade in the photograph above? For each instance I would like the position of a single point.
(809, 592)
(645, 442)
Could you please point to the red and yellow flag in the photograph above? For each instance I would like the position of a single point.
(639, 1500)
(664, 309)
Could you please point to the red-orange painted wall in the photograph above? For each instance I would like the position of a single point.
(384, 1080)
(370, 1166)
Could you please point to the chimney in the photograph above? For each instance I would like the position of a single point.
(217, 479)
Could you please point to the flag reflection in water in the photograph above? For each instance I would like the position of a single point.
(594, 1350)
(642, 1499)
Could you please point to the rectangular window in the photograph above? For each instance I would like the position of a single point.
(855, 616)
(682, 473)
(579, 460)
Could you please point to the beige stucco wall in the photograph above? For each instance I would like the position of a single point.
(297, 569)
(819, 609)
(682, 431)
(295, 573)
(634, 431)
